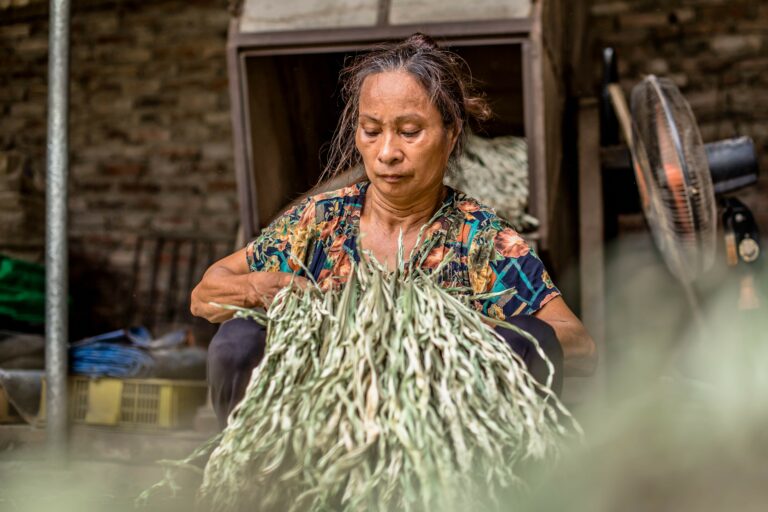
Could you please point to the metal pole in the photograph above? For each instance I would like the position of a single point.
(56, 254)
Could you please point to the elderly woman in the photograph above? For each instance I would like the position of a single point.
(407, 110)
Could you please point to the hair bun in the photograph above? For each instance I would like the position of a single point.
(419, 41)
(477, 107)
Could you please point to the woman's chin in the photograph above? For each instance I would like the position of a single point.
(403, 190)
(397, 186)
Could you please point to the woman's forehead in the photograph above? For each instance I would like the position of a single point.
(394, 93)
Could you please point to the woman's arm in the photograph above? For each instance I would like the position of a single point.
(229, 281)
(579, 352)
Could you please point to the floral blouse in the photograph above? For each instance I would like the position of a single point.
(490, 256)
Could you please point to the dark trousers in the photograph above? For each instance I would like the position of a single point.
(239, 346)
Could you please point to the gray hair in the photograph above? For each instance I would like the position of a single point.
(443, 74)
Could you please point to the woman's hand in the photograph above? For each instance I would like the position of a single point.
(230, 281)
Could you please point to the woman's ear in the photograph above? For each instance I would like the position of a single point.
(453, 136)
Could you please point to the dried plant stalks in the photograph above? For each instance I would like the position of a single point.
(392, 394)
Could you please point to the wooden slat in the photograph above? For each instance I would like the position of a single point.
(408, 11)
(150, 310)
(171, 306)
(359, 37)
(619, 102)
(240, 139)
(591, 233)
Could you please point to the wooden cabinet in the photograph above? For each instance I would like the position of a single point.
(284, 62)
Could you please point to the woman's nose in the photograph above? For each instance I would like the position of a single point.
(389, 152)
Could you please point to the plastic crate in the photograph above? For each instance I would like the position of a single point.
(141, 403)
(7, 412)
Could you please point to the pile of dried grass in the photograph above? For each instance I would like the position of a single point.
(392, 394)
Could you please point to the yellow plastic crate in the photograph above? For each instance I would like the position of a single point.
(7, 412)
(153, 403)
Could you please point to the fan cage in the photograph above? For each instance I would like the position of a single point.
(673, 176)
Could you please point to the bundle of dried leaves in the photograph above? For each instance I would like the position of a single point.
(390, 394)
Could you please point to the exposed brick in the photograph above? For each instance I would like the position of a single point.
(706, 101)
(225, 223)
(134, 187)
(123, 169)
(221, 186)
(173, 223)
(657, 66)
(626, 38)
(757, 130)
(196, 131)
(736, 45)
(198, 101)
(217, 151)
(679, 79)
(220, 203)
(28, 109)
(753, 66)
(109, 103)
(99, 187)
(755, 24)
(15, 31)
(179, 151)
(146, 134)
(105, 23)
(709, 131)
(122, 258)
(684, 15)
(751, 101)
(85, 222)
(217, 118)
(37, 45)
(727, 11)
(134, 221)
(644, 19)
(140, 86)
(609, 9)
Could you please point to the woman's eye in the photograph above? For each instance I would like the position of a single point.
(411, 134)
(369, 133)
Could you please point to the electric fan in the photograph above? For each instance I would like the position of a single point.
(674, 179)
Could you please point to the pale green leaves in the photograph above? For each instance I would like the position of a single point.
(392, 394)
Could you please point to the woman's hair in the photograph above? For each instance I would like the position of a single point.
(443, 74)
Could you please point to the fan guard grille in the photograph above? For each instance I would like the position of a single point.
(673, 177)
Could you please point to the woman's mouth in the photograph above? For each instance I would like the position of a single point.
(392, 178)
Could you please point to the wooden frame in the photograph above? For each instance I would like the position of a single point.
(542, 91)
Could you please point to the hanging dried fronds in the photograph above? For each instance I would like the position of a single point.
(495, 171)
(392, 394)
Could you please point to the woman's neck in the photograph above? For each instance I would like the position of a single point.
(391, 216)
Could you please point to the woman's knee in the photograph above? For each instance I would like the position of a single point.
(544, 334)
(237, 345)
(547, 340)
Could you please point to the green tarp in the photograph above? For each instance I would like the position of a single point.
(22, 291)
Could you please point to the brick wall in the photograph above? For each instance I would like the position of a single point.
(150, 128)
(716, 51)
(150, 135)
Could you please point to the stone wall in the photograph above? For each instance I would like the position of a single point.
(716, 51)
(150, 137)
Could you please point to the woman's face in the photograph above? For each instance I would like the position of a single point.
(401, 137)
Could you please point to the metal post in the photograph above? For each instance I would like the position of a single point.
(56, 257)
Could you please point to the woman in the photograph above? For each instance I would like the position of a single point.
(407, 110)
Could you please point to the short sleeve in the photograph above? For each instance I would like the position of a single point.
(509, 264)
(283, 244)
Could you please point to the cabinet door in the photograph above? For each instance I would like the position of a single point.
(271, 16)
(436, 11)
